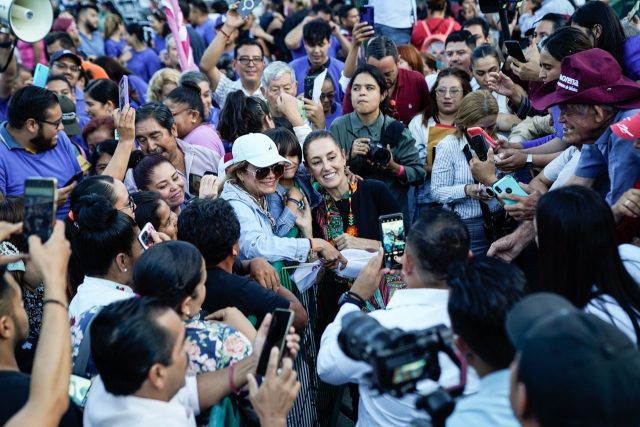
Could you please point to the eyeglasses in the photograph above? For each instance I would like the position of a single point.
(56, 124)
(65, 67)
(245, 60)
(180, 111)
(453, 91)
(130, 205)
(263, 173)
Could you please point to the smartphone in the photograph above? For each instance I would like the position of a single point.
(40, 197)
(308, 86)
(514, 49)
(194, 184)
(506, 185)
(79, 389)
(40, 75)
(123, 92)
(475, 131)
(281, 321)
(145, 238)
(247, 6)
(366, 14)
(76, 177)
(393, 239)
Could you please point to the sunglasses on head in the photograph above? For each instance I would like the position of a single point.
(263, 173)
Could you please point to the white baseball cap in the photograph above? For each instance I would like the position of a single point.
(257, 149)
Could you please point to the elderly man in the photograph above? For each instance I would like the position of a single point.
(592, 94)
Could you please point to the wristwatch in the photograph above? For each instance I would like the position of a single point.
(299, 203)
(350, 297)
(529, 159)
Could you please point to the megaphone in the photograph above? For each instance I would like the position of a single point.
(30, 20)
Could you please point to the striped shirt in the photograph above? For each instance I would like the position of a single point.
(450, 174)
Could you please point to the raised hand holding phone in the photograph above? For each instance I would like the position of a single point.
(40, 197)
(123, 92)
(281, 322)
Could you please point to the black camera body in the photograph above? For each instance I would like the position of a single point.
(378, 154)
(399, 359)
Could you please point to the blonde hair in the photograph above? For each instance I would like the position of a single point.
(158, 80)
(111, 23)
(474, 107)
(231, 174)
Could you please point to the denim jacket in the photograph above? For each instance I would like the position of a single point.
(257, 238)
(285, 218)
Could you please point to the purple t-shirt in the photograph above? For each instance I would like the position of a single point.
(17, 164)
(144, 63)
(206, 136)
(301, 67)
(114, 48)
(207, 31)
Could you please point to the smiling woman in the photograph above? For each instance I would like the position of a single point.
(156, 173)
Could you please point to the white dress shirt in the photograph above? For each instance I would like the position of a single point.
(94, 292)
(104, 409)
(408, 309)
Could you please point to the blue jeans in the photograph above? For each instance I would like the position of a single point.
(477, 235)
(398, 35)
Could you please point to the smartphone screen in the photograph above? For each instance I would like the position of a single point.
(194, 184)
(280, 323)
(308, 86)
(393, 238)
(366, 14)
(123, 92)
(145, 238)
(39, 207)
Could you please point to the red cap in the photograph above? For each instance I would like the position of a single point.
(628, 128)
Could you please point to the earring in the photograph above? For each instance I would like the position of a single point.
(188, 314)
(125, 270)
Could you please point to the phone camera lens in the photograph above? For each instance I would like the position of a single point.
(498, 190)
(508, 190)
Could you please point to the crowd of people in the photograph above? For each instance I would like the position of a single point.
(247, 170)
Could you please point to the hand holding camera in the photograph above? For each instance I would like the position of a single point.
(373, 152)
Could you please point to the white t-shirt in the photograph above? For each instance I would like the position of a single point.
(608, 309)
(560, 169)
(630, 255)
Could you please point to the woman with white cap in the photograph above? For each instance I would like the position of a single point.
(254, 173)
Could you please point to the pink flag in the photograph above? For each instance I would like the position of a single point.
(176, 24)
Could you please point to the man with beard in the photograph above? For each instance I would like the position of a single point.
(91, 41)
(32, 144)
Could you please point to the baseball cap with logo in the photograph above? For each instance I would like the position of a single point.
(575, 366)
(589, 77)
(628, 128)
(66, 54)
(69, 117)
(257, 149)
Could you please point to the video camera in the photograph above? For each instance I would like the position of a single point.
(400, 359)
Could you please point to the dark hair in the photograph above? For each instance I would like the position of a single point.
(108, 146)
(103, 90)
(212, 226)
(157, 111)
(143, 170)
(63, 38)
(246, 42)
(461, 36)
(241, 115)
(286, 142)
(578, 252)
(59, 77)
(136, 30)
(86, 6)
(12, 211)
(343, 10)
(169, 271)
(477, 21)
(564, 42)
(127, 340)
(462, 77)
(97, 123)
(112, 67)
(557, 19)
(99, 233)
(378, 77)
(219, 6)
(381, 47)
(315, 135)
(438, 239)
(200, 5)
(30, 102)
(481, 293)
(160, 16)
(322, 7)
(147, 205)
(189, 94)
(411, 55)
(612, 37)
(6, 293)
(315, 32)
(484, 51)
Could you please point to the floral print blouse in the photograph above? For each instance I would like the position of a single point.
(210, 345)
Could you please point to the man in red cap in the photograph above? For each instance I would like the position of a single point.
(592, 94)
